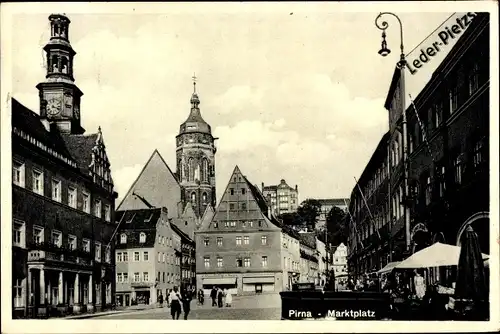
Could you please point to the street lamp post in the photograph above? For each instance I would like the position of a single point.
(384, 51)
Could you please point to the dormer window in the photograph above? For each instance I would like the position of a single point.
(142, 237)
(148, 219)
(123, 238)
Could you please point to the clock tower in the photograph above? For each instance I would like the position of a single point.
(196, 159)
(59, 96)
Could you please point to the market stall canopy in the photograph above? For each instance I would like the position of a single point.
(435, 255)
(388, 267)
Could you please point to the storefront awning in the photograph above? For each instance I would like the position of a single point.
(219, 281)
(265, 279)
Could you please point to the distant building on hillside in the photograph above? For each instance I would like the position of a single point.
(284, 199)
(327, 205)
(339, 264)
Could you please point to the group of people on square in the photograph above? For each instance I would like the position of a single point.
(221, 297)
(178, 300)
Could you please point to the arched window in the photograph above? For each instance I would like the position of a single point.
(204, 170)
(204, 198)
(123, 238)
(55, 63)
(179, 168)
(64, 65)
(191, 169)
(193, 197)
(142, 237)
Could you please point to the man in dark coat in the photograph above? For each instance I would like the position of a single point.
(213, 295)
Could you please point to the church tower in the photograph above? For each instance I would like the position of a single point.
(59, 96)
(195, 157)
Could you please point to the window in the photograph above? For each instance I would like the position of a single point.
(56, 238)
(231, 206)
(71, 242)
(37, 234)
(125, 256)
(108, 254)
(72, 197)
(239, 263)
(478, 153)
(137, 278)
(163, 280)
(204, 198)
(206, 241)
(233, 224)
(98, 252)
(263, 240)
(231, 191)
(206, 262)
(38, 182)
(137, 257)
(146, 256)
(428, 191)
(86, 245)
(142, 237)
(457, 163)
(264, 261)
(123, 238)
(145, 276)
(119, 257)
(18, 234)
(442, 181)
(246, 240)
(17, 292)
(243, 206)
(119, 277)
(98, 210)
(107, 212)
(18, 170)
(474, 78)
(247, 262)
(243, 191)
(125, 279)
(219, 262)
(159, 257)
(86, 202)
(219, 241)
(193, 197)
(56, 190)
(238, 240)
(453, 98)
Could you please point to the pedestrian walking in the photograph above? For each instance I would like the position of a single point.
(168, 297)
(229, 298)
(201, 297)
(187, 296)
(175, 303)
(213, 295)
(160, 299)
(219, 297)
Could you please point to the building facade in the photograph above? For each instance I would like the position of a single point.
(339, 264)
(148, 256)
(327, 205)
(195, 156)
(309, 264)
(284, 199)
(62, 198)
(447, 167)
(188, 258)
(243, 247)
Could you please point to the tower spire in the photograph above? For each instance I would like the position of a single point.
(194, 83)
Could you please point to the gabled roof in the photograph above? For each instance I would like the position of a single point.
(206, 218)
(29, 122)
(133, 222)
(81, 147)
(184, 237)
(157, 185)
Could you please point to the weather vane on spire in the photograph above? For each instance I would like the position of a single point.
(194, 81)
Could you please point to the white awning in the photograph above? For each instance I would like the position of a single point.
(219, 281)
(435, 255)
(264, 279)
(388, 267)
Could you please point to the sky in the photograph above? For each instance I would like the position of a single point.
(292, 91)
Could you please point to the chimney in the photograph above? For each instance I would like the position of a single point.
(262, 186)
(269, 205)
(296, 188)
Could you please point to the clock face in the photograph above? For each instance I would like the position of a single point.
(53, 107)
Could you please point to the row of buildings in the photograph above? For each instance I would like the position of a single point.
(74, 252)
(430, 185)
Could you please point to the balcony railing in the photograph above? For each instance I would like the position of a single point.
(40, 255)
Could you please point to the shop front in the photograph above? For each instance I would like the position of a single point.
(258, 284)
(228, 283)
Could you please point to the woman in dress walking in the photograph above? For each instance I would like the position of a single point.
(229, 298)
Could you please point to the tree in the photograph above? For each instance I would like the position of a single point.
(309, 210)
(292, 219)
(336, 226)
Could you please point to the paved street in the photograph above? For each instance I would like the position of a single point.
(262, 307)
